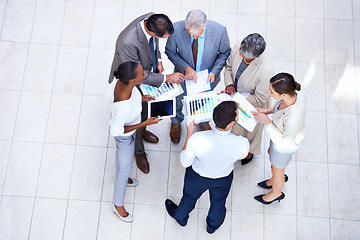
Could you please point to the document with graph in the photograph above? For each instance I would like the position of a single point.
(246, 119)
(199, 107)
(165, 91)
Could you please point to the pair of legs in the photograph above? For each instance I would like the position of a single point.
(277, 182)
(194, 186)
(123, 164)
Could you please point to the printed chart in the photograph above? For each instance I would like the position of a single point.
(165, 91)
(200, 106)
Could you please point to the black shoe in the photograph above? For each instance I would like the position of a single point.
(170, 208)
(263, 183)
(261, 199)
(210, 230)
(246, 160)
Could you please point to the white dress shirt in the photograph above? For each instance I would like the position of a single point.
(212, 154)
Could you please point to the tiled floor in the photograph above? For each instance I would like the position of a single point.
(57, 158)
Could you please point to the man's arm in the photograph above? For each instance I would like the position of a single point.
(187, 157)
(173, 55)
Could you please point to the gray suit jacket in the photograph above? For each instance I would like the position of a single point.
(216, 48)
(132, 45)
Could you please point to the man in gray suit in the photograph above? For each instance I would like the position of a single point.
(139, 42)
(197, 44)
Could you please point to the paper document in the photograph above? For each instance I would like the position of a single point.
(165, 91)
(246, 119)
(200, 106)
(201, 84)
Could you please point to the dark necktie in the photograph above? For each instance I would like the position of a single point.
(238, 74)
(194, 47)
(152, 50)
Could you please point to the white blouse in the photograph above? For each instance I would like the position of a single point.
(126, 113)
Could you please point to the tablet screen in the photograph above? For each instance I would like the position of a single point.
(162, 108)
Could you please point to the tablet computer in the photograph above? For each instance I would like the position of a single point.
(162, 108)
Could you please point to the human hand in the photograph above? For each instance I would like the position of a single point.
(230, 89)
(211, 77)
(152, 120)
(147, 98)
(265, 111)
(190, 73)
(160, 67)
(261, 118)
(191, 127)
(175, 78)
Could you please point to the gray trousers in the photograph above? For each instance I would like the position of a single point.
(123, 165)
(139, 142)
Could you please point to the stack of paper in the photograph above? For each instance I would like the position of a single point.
(165, 91)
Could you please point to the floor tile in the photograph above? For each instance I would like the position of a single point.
(176, 178)
(356, 10)
(48, 21)
(312, 189)
(250, 23)
(252, 7)
(162, 131)
(343, 229)
(63, 118)
(227, 20)
(132, 12)
(77, 19)
(222, 233)
(338, 143)
(23, 169)
(245, 225)
(338, 9)
(280, 227)
(15, 217)
(88, 171)
(94, 121)
(12, 60)
(309, 8)
(344, 189)
(70, 70)
(308, 228)
(40, 79)
(110, 226)
(314, 146)
(55, 172)
(356, 25)
(173, 231)
(2, 13)
(228, 6)
(8, 113)
(81, 220)
(168, 3)
(149, 222)
(204, 5)
(48, 219)
(32, 116)
(106, 25)
(18, 20)
(338, 48)
(280, 8)
(281, 66)
(4, 158)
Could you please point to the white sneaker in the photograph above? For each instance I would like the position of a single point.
(129, 218)
(134, 183)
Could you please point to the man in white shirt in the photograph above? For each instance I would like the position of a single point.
(209, 157)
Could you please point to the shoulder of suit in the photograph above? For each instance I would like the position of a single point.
(179, 25)
(215, 25)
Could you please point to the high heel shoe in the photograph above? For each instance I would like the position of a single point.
(129, 218)
(261, 199)
(263, 183)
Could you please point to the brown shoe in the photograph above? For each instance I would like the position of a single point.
(149, 137)
(205, 127)
(175, 132)
(142, 162)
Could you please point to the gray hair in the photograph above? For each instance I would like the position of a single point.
(252, 46)
(195, 20)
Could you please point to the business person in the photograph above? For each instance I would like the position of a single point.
(139, 42)
(286, 131)
(196, 44)
(125, 119)
(209, 159)
(248, 70)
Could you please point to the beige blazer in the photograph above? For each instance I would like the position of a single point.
(254, 80)
(132, 45)
(287, 127)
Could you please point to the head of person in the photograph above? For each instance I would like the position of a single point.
(159, 25)
(225, 115)
(283, 84)
(252, 46)
(130, 73)
(196, 22)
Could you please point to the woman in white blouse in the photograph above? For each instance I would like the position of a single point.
(286, 131)
(125, 119)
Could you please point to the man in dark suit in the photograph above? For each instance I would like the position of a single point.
(139, 42)
(197, 44)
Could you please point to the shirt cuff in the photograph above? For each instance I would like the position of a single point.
(164, 78)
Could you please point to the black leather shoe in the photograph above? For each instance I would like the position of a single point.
(263, 183)
(261, 199)
(245, 161)
(210, 230)
(170, 208)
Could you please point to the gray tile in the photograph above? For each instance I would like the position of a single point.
(252, 7)
(173, 231)
(313, 228)
(344, 229)
(309, 8)
(223, 232)
(338, 9)
(356, 25)
(280, 8)
(250, 23)
(8, 113)
(245, 225)
(4, 158)
(280, 227)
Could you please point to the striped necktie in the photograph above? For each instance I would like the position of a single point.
(194, 47)
(153, 55)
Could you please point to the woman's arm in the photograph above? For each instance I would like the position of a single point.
(149, 121)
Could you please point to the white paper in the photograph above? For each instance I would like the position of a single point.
(165, 91)
(200, 107)
(201, 85)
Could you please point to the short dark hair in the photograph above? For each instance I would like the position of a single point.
(160, 24)
(224, 113)
(285, 83)
(126, 71)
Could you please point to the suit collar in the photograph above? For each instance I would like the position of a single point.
(187, 39)
(143, 40)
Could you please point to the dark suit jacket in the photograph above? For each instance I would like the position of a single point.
(132, 45)
(216, 48)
